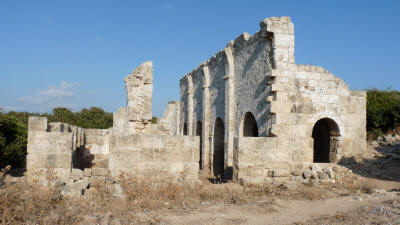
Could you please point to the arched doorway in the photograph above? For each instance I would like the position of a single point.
(199, 130)
(218, 139)
(185, 129)
(250, 128)
(325, 133)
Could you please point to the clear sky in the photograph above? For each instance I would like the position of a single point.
(76, 53)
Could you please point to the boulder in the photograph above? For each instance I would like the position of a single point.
(75, 189)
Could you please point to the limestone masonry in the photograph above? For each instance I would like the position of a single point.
(248, 113)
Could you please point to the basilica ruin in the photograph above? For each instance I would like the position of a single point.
(248, 113)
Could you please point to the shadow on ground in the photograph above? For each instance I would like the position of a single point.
(382, 164)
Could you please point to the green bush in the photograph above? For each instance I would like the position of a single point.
(13, 141)
(383, 111)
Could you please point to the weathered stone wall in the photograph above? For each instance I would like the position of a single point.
(51, 146)
(155, 156)
(95, 151)
(139, 89)
(198, 84)
(257, 73)
(252, 64)
(170, 119)
(121, 121)
(256, 159)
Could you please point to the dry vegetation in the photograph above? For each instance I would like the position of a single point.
(145, 200)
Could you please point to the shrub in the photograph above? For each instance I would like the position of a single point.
(383, 111)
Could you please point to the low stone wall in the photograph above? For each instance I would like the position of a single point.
(259, 160)
(155, 156)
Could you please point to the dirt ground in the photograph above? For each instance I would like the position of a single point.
(378, 172)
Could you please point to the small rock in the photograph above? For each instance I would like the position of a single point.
(358, 198)
(314, 175)
(323, 177)
(315, 167)
(377, 191)
(307, 174)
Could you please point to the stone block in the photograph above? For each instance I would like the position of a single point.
(99, 172)
(36, 123)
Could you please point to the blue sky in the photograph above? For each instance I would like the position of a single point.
(76, 53)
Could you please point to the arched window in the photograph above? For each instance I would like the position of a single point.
(250, 128)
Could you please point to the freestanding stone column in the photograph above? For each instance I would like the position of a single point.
(139, 90)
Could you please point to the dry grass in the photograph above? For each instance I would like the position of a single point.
(144, 199)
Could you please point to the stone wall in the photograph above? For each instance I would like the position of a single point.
(155, 156)
(257, 74)
(170, 119)
(94, 152)
(52, 146)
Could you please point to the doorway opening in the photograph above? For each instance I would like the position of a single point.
(199, 131)
(325, 133)
(219, 150)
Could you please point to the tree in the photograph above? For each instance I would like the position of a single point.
(13, 141)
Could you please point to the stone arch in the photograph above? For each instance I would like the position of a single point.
(219, 147)
(249, 127)
(325, 134)
(199, 131)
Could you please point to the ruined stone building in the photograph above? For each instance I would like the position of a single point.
(249, 112)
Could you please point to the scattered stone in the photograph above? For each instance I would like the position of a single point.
(76, 189)
(315, 167)
(307, 174)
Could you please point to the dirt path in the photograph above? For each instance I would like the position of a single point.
(282, 211)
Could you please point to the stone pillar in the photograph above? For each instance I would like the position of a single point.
(206, 117)
(230, 109)
(139, 90)
(190, 106)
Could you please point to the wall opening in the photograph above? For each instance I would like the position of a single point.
(325, 132)
(219, 152)
(185, 129)
(199, 131)
(250, 128)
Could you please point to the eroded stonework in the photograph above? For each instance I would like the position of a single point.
(249, 112)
